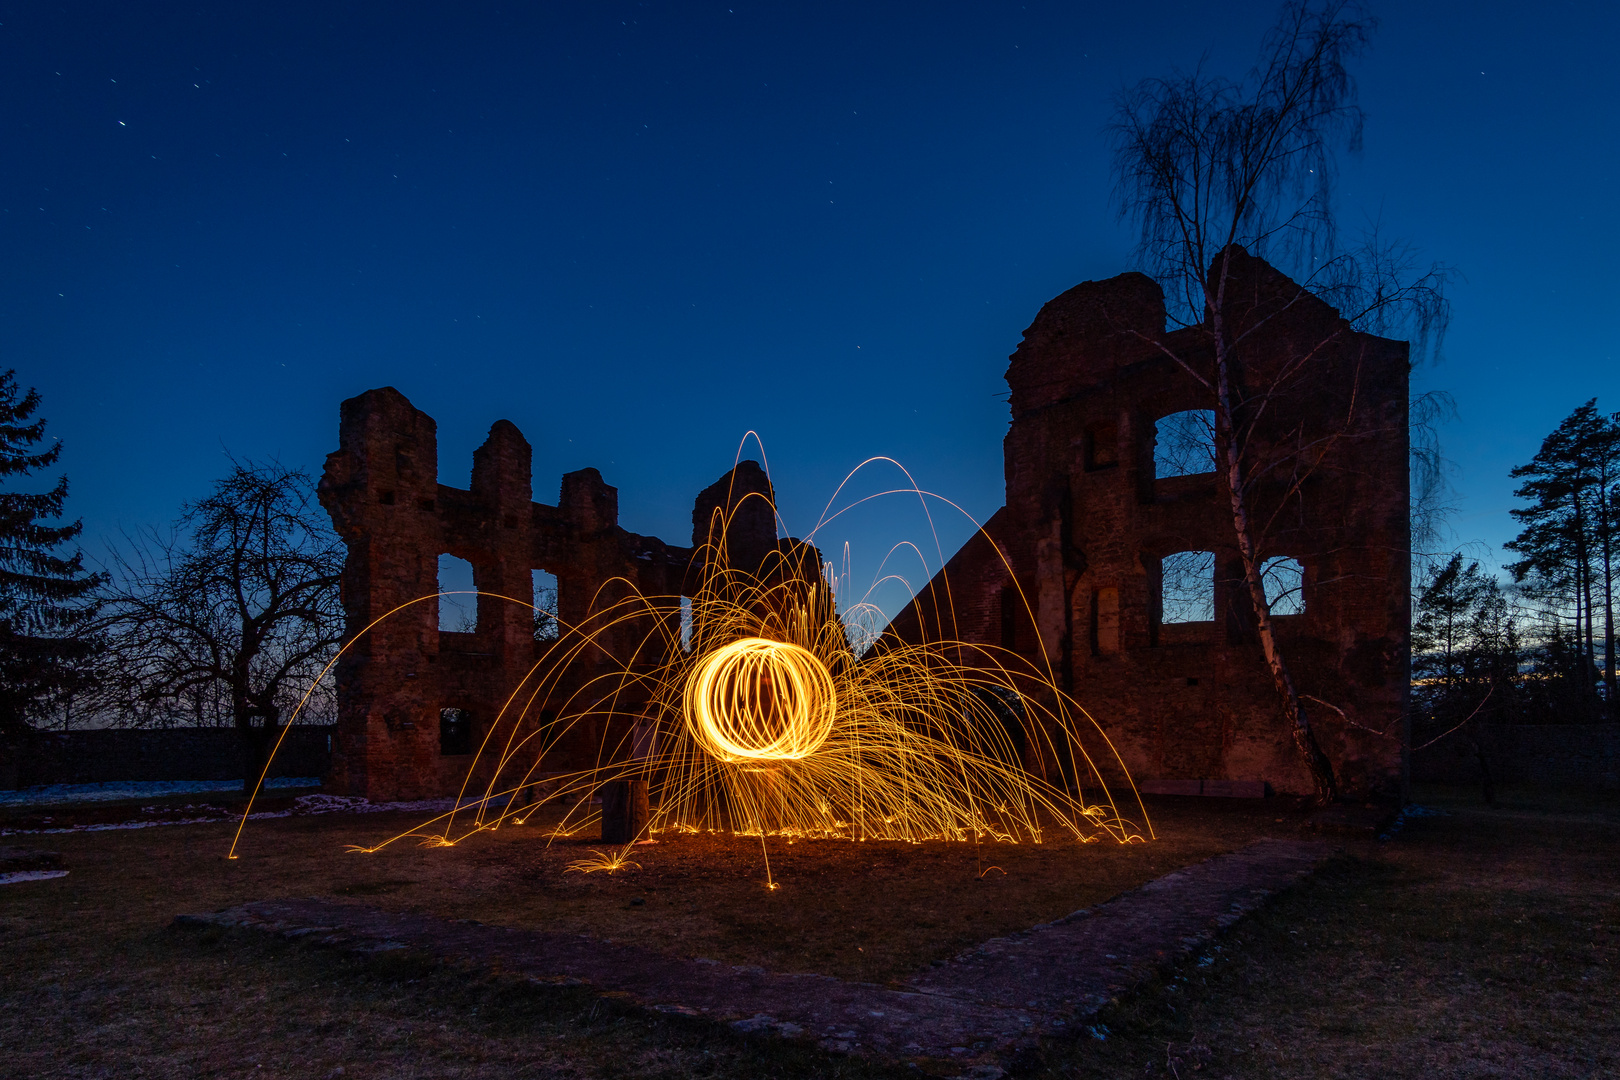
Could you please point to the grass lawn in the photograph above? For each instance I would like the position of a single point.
(1483, 943)
(1479, 943)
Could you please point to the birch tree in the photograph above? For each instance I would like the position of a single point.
(1209, 169)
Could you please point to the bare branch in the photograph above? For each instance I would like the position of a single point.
(235, 611)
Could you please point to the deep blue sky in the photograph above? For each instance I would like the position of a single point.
(639, 230)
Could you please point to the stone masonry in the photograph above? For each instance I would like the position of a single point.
(1068, 571)
(394, 683)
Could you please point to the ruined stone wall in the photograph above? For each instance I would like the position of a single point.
(1086, 524)
(381, 488)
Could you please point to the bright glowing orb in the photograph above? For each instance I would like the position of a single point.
(760, 700)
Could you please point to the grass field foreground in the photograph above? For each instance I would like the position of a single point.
(1481, 943)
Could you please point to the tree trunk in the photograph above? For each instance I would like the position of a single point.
(1310, 750)
(258, 742)
(255, 753)
(1588, 686)
(1606, 532)
(11, 752)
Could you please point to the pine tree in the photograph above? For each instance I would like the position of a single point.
(44, 597)
(1568, 540)
(1465, 651)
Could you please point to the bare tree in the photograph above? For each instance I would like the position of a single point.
(231, 614)
(1212, 171)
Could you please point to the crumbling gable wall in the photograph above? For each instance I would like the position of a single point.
(1190, 705)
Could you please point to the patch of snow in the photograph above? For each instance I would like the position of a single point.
(66, 794)
(14, 876)
(350, 804)
(117, 826)
(207, 815)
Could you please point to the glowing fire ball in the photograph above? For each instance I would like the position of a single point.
(760, 700)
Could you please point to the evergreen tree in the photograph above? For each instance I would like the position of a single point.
(44, 596)
(1559, 687)
(1465, 651)
(1568, 540)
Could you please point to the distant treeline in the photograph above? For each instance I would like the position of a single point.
(1541, 648)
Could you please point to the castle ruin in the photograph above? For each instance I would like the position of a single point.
(1103, 541)
(415, 701)
(1105, 538)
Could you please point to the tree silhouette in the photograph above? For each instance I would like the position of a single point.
(1212, 171)
(1568, 539)
(1465, 649)
(44, 608)
(232, 614)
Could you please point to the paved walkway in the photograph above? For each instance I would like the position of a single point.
(975, 1008)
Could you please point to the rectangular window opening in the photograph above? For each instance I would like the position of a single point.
(546, 627)
(1102, 447)
(1284, 581)
(1184, 444)
(458, 596)
(1187, 587)
(455, 732)
(1009, 618)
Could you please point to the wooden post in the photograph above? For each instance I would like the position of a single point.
(625, 811)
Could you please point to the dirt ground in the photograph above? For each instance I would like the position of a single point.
(1479, 943)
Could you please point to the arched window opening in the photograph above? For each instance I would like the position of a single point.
(545, 606)
(455, 732)
(458, 614)
(1187, 587)
(686, 624)
(1284, 580)
(1184, 444)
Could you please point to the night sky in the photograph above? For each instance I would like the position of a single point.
(639, 230)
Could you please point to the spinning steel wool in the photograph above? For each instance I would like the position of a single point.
(759, 718)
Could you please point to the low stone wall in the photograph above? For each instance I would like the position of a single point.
(1551, 755)
(123, 754)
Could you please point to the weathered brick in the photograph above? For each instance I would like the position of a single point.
(1065, 574)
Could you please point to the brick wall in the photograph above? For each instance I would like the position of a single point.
(1067, 574)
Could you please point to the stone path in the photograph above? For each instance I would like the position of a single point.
(975, 1008)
